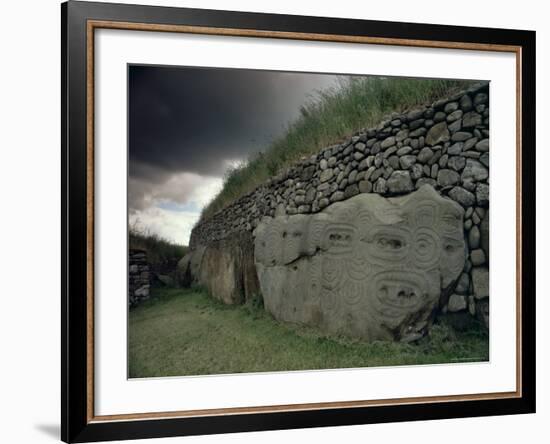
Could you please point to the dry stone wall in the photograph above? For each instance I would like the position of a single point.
(139, 284)
(444, 145)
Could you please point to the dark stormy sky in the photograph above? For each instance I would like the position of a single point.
(188, 125)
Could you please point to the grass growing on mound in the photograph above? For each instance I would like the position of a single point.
(185, 332)
(159, 250)
(329, 117)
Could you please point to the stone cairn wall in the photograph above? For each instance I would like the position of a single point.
(138, 277)
(445, 145)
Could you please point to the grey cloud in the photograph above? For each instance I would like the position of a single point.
(193, 118)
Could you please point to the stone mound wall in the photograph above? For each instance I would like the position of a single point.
(444, 145)
(139, 278)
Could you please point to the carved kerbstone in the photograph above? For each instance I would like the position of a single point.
(368, 267)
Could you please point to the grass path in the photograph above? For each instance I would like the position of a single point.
(185, 332)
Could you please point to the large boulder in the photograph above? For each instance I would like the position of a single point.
(369, 267)
(224, 267)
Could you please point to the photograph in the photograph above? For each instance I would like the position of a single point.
(286, 221)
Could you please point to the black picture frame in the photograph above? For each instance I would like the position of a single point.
(76, 423)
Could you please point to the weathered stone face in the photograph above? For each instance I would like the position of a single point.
(369, 267)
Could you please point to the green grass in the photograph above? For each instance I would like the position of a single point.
(329, 117)
(159, 250)
(185, 332)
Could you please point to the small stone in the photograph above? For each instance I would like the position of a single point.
(390, 151)
(457, 163)
(466, 103)
(480, 282)
(474, 171)
(455, 115)
(352, 176)
(425, 154)
(480, 98)
(457, 302)
(360, 146)
(477, 257)
(400, 182)
(394, 162)
(299, 200)
(455, 126)
(455, 149)
(469, 185)
(323, 164)
(480, 212)
(364, 164)
(451, 107)
(474, 237)
(468, 224)
(434, 171)
(307, 173)
(443, 161)
(332, 162)
(483, 145)
(463, 284)
(407, 161)
(460, 136)
(425, 181)
(418, 132)
(365, 186)
(358, 156)
(482, 194)
(404, 150)
(484, 159)
(380, 186)
(337, 196)
(326, 175)
(350, 191)
(471, 119)
(415, 114)
(462, 196)
(439, 133)
(439, 116)
(323, 202)
(390, 141)
(470, 143)
(369, 172)
(475, 219)
(415, 124)
(447, 178)
(402, 135)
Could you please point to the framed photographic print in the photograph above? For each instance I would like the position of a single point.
(276, 221)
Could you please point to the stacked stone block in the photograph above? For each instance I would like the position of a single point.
(139, 285)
